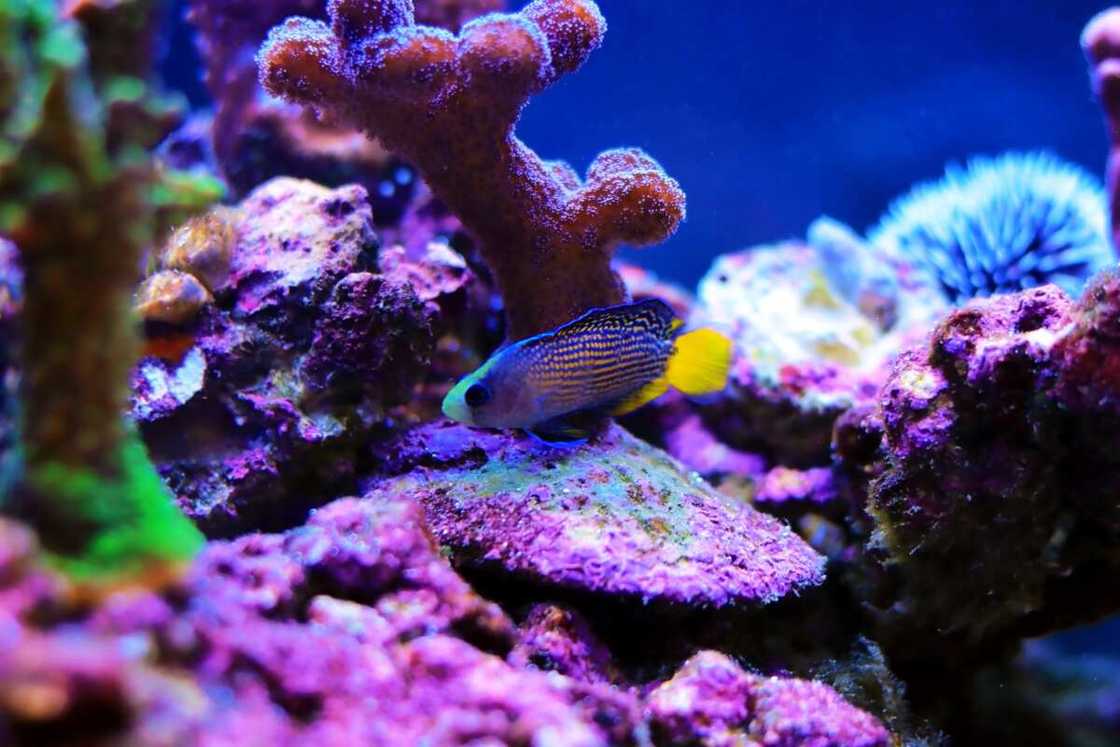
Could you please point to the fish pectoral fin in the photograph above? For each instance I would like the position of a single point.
(648, 393)
(555, 433)
(700, 362)
(572, 429)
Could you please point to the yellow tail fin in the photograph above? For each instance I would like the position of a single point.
(700, 363)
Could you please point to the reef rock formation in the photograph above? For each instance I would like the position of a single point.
(615, 517)
(448, 104)
(255, 410)
(814, 325)
(712, 701)
(349, 630)
(1001, 474)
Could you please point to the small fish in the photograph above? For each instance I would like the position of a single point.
(609, 361)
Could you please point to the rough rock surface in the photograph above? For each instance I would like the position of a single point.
(1001, 471)
(349, 630)
(711, 701)
(814, 324)
(257, 412)
(554, 639)
(615, 516)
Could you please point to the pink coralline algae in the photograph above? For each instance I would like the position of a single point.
(349, 630)
(811, 340)
(307, 345)
(1000, 471)
(615, 517)
(712, 701)
(449, 103)
(554, 639)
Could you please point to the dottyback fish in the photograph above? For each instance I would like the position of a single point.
(609, 361)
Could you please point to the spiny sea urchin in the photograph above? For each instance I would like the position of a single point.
(1002, 224)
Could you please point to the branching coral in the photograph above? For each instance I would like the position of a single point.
(449, 104)
(80, 198)
(256, 137)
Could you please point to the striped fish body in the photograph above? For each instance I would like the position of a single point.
(597, 360)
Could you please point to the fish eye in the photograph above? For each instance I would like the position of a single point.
(477, 395)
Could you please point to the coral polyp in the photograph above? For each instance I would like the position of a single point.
(1002, 224)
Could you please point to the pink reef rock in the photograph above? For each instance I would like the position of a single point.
(1001, 473)
(349, 630)
(554, 639)
(615, 517)
(307, 345)
(711, 701)
(815, 324)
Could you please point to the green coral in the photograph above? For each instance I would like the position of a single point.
(82, 198)
(139, 521)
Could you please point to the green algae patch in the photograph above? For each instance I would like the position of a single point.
(136, 526)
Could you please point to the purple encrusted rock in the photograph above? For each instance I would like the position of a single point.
(615, 516)
(1001, 474)
(296, 241)
(791, 493)
(294, 367)
(711, 701)
(352, 629)
(802, 713)
(354, 351)
(707, 702)
(554, 639)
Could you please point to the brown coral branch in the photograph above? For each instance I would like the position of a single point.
(449, 104)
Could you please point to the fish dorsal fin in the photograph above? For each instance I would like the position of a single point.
(648, 393)
(649, 313)
(700, 362)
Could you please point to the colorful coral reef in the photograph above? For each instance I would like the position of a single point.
(449, 103)
(351, 629)
(294, 366)
(615, 517)
(846, 547)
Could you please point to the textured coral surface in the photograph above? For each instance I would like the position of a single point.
(889, 498)
(294, 365)
(712, 701)
(1001, 471)
(614, 517)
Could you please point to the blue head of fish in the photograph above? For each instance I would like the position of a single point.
(492, 397)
